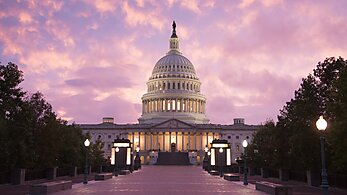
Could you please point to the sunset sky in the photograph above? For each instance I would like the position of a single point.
(92, 58)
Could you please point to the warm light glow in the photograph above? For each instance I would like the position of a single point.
(245, 143)
(117, 149)
(220, 145)
(137, 149)
(113, 156)
(228, 156)
(121, 144)
(87, 143)
(209, 153)
(321, 124)
(128, 161)
(206, 149)
(220, 150)
(213, 157)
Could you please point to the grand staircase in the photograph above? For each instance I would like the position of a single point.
(173, 158)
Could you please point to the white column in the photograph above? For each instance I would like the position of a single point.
(151, 141)
(195, 141)
(170, 139)
(157, 141)
(133, 140)
(182, 141)
(188, 141)
(176, 139)
(163, 141)
(207, 139)
(139, 139)
(145, 142)
(181, 104)
(202, 145)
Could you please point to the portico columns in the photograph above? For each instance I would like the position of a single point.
(163, 141)
(188, 141)
(195, 141)
(182, 141)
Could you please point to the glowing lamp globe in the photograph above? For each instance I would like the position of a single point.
(87, 143)
(117, 149)
(321, 124)
(220, 150)
(245, 143)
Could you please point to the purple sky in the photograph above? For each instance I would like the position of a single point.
(93, 58)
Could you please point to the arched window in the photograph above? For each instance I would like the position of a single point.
(168, 85)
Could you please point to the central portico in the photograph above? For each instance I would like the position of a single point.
(173, 134)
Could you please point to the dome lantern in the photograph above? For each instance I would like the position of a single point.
(174, 43)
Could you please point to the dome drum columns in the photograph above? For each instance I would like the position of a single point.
(173, 105)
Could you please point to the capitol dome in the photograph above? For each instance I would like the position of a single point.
(173, 90)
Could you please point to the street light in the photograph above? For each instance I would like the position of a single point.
(115, 163)
(86, 144)
(137, 164)
(321, 125)
(245, 144)
(220, 162)
(205, 161)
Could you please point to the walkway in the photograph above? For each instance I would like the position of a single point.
(164, 180)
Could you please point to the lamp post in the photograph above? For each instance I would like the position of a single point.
(321, 125)
(205, 161)
(208, 161)
(115, 163)
(220, 162)
(245, 144)
(137, 159)
(86, 144)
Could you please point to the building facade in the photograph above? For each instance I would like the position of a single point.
(173, 115)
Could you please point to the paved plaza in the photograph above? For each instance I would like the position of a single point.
(164, 180)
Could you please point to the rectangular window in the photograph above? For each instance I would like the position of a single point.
(173, 104)
(178, 105)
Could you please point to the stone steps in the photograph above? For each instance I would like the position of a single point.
(173, 158)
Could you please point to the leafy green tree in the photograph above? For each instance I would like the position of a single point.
(31, 136)
(338, 128)
(97, 154)
(261, 150)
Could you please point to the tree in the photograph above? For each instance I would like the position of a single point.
(97, 154)
(31, 135)
(264, 143)
(338, 129)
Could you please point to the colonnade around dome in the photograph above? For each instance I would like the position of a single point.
(184, 105)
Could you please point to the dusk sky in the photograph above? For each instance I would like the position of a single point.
(92, 58)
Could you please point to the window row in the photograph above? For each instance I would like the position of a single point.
(166, 85)
(174, 68)
(187, 76)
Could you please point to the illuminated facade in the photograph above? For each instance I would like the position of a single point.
(173, 115)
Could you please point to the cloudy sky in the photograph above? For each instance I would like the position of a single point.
(92, 58)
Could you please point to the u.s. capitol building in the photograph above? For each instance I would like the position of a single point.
(173, 115)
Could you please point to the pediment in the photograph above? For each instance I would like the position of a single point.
(173, 124)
